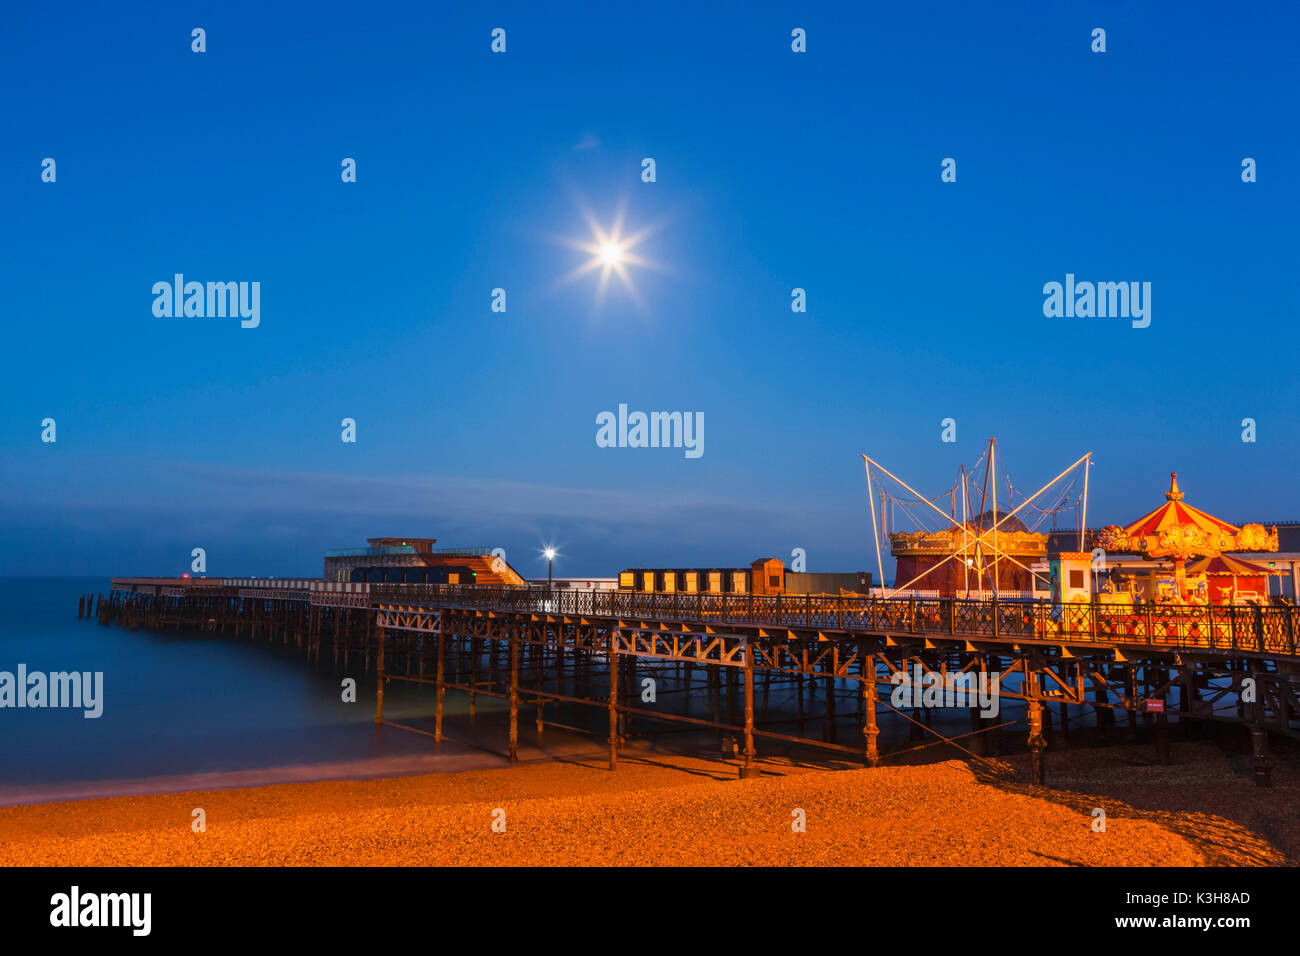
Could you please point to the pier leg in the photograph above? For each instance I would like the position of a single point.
(1037, 743)
(1263, 765)
(631, 692)
(1103, 715)
(715, 693)
(441, 689)
(473, 672)
(749, 771)
(978, 745)
(1162, 738)
(1130, 690)
(613, 703)
(828, 730)
(559, 662)
(379, 702)
(799, 680)
(730, 679)
(514, 700)
(539, 664)
(869, 728)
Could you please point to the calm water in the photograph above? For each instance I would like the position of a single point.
(177, 705)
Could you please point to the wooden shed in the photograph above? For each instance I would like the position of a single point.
(767, 576)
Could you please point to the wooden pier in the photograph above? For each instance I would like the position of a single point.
(833, 659)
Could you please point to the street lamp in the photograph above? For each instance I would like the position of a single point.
(549, 555)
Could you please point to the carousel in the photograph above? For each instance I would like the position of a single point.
(1191, 557)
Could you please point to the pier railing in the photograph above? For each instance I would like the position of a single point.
(1265, 630)
(1257, 629)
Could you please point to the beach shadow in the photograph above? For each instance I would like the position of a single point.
(1224, 841)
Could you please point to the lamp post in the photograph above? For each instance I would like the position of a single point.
(549, 554)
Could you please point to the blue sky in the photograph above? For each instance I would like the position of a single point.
(775, 170)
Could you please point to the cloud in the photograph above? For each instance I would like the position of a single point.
(262, 521)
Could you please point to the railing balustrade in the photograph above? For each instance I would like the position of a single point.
(1270, 630)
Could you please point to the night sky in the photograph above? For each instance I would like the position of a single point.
(775, 170)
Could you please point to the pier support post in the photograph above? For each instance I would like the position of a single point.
(441, 689)
(979, 742)
(799, 680)
(869, 728)
(473, 672)
(539, 666)
(1162, 739)
(828, 728)
(1187, 695)
(379, 698)
(514, 698)
(1037, 743)
(749, 771)
(1260, 760)
(613, 702)
(715, 693)
(1104, 713)
(1130, 691)
(728, 676)
(629, 680)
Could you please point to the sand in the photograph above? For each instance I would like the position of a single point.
(659, 809)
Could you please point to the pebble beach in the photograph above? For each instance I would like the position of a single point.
(670, 810)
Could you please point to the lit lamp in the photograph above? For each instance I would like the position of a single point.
(549, 555)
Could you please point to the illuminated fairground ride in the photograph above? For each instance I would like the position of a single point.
(1177, 533)
(976, 548)
(981, 551)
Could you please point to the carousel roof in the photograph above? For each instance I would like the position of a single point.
(1173, 513)
(987, 519)
(1225, 564)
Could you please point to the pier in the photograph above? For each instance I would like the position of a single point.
(1130, 669)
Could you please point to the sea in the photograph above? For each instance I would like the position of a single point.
(187, 711)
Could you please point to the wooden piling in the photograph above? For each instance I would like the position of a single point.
(379, 700)
(1037, 742)
(1260, 760)
(829, 732)
(473, 673)
(441, 689)
(612, 656)
(869, 728)
(749, 771)
(514, 698)
(539, 663)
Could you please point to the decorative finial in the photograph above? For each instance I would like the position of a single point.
(1173, 494)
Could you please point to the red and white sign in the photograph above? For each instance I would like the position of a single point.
(1155, 706)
